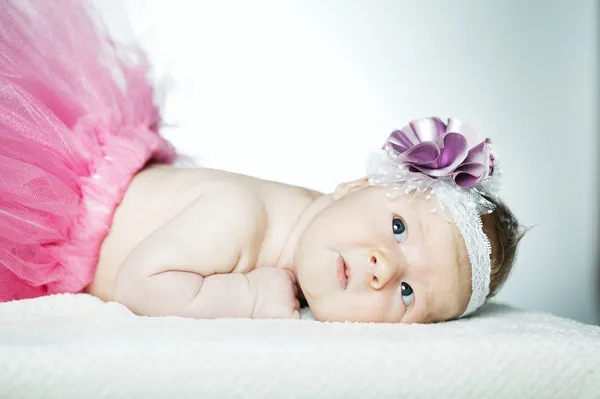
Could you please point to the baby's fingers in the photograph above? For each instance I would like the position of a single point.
(296, 314)
(292, 275)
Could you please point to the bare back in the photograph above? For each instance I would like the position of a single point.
(222, 222)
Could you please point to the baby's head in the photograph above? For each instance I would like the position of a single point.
(423, 238)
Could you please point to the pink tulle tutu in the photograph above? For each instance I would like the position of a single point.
(77, 122)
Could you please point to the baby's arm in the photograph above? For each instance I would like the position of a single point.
(186, 267)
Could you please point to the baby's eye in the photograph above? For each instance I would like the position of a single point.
(399, 229)
(407, 294)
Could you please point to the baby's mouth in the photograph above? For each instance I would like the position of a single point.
(342, 272)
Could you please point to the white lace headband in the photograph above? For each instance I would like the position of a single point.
(448, 162)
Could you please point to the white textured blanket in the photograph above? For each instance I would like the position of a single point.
(78, 347)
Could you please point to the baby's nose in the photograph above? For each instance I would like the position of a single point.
(381, 270)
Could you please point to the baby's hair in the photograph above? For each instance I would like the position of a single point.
(504, 233)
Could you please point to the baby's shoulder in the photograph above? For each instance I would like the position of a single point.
(245, 201)
(232, 190)
(192, 183)
(163, 192)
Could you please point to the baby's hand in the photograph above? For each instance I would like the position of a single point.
(276, 293)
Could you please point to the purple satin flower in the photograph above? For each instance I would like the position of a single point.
(437, 150)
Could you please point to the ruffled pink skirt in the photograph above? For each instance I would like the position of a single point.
(77, 122)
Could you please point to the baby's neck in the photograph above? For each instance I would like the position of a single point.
(288, 252)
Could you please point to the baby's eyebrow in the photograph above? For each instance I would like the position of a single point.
(422, 228)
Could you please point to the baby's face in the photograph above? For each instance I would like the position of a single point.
(368, 258)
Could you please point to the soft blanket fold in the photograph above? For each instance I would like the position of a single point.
(75, 346)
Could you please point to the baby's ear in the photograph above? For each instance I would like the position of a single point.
(346, 188)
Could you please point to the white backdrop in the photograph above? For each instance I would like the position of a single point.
(299, 91)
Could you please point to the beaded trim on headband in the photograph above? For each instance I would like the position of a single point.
(448, 162)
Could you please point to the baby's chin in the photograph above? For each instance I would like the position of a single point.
(326, 310)
(318, 308)
(325, 316)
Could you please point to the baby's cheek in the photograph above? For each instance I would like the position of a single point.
(329, 308)
(369, 307)
(346, 227)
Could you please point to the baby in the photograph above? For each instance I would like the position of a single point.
(90, 201)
